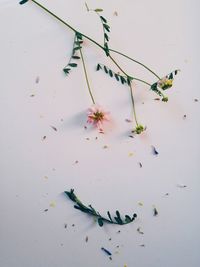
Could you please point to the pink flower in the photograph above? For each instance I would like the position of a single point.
(96, 116)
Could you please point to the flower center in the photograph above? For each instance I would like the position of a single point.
(98, 116)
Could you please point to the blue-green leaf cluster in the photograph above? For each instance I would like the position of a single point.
(100, 219)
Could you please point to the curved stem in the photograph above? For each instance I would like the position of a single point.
(142, 81)
(86, 76)
(136, 61)
(133, 104)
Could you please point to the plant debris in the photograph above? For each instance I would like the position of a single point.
(106, 251)
(115, 13)
(181, 185)
(196, 100)
(184, 116)
(140, 164)
(37, 79)
(128, 120)
(139, 231)
(54, 128)
(155, 211)
(131, 136)
(44, 137)
(52, 204)
(32, 95)
(45, 210)
(86, 239)
(154, 151)
(157, 99)
(142, 245)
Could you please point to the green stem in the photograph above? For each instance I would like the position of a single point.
(93, 41)
(142, 81)
(136, 61)
(133, 104)
(66, 24)
(86, 76)
(118, 65)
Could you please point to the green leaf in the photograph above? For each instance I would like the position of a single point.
(171, 76)
(73, 65)
(128, 219)
(23, 2)
(123, 80)
(99, 67)
(106, 49)
(116, 76)
(98, 10)
(106, 37)
(118, 218)
(66, 71)
(128, 81)
(79, 35)
(104, 20)
(100, 222)
(75, 57)
(109, 216)
(105, 69)
(106, 27)
(110, 73)
(76, 48)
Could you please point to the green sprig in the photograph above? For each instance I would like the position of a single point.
(100, 219)
(118, 77)
(76, 47)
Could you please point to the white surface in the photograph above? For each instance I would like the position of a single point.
(164, 35)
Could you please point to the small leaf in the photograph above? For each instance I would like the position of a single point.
(116, 77)
(118, 218)
(105, 69)
(99, 67)
(128, 218)
(106, 37)
(110, 73)
(66, 71)
(123, 80)
(73, 65)
(75, 57)
(106, 27)
(23, 2)
(128, 81)
(100, 222)
(109, 216)
(76, 48)
(104, 20)
(171, 76)
(78, 208)
(79, 36)
(98, 10)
